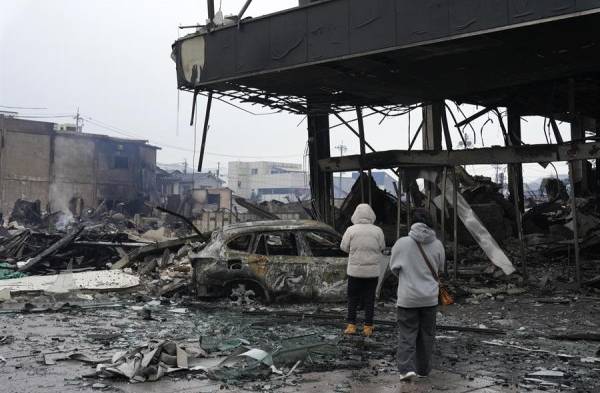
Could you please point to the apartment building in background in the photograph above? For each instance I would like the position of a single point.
(266, 180)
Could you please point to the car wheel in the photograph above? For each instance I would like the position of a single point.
(246, 292)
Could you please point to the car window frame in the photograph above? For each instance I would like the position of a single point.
(306, 244)
(250, 243)
(299, 242)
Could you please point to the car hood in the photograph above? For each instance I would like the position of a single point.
(214, 249)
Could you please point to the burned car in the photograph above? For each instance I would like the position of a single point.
(298, 259)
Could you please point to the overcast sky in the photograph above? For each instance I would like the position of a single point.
(111, 59)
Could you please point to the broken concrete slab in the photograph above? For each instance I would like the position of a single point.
(547, 374)
(92, 280)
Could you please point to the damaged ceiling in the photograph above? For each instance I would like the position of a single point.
(535, 55)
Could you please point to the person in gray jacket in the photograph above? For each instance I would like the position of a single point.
(418, 293)
(364, 242)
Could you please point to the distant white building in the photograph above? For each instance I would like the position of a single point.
(266, 181)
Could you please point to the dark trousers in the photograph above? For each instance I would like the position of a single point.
(416, 335)
(361, 291)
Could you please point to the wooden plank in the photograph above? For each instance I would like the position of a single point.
(150, 249)
(65, 241)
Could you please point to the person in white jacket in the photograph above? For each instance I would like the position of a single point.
(364, 242)
(418, 293)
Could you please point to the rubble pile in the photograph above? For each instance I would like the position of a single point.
(33, 243)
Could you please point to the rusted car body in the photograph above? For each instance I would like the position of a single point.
(291, 259)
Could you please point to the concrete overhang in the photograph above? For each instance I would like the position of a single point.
(532, 54)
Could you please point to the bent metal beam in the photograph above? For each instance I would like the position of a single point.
(492, 155)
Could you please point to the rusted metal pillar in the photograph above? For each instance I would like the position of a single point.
(398, 189)
(432, 140)
(597, 177)
(406, 186)
(205, 130)
(575, 223)
(519, 221)
(443, 208)
(515, 176)
(361, 137)
(579, 170)
(455, 221)
(321, 182)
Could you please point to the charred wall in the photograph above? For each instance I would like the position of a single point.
(25, 151)
(38, 163)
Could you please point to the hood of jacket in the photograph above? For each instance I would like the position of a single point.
(422, 233)
(363, 214)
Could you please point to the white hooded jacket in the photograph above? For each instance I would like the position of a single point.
(416, 285)
(364, 243)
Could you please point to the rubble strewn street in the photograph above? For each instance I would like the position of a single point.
(506, 333)
(66, 345)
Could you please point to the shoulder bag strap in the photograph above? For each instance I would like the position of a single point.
(435, 275)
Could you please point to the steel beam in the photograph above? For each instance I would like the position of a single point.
(432, 140)
(491, 155)
(321, 182)
(515, 177)
(361, 137)
(205, 130)
(574, 214)
(580, 175)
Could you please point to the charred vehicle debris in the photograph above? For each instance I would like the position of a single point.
(274, 259)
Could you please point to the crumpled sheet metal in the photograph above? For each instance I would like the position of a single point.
(254, 363)
(146, 363)
(473, 224)
(243, 363)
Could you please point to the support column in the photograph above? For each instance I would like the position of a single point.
(361, 141)
(597, 177)
(432, 126)
(432, 140)
(580, 175)
(516, 174)
(321, 183)
(574, 214)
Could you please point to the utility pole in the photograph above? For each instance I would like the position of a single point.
(77, 129)
(342, 148)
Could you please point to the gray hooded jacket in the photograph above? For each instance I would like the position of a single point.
(416, 285)
(364, 243)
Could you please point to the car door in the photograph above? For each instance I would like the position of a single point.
(329, 263)
(284, 264)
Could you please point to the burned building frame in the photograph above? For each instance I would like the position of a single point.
(387, 57)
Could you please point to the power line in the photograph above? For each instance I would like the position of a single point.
(130, 134)
(43, 116)
(133, 135)
(21, 107)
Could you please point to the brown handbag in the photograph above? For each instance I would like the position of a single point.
(445, 298)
